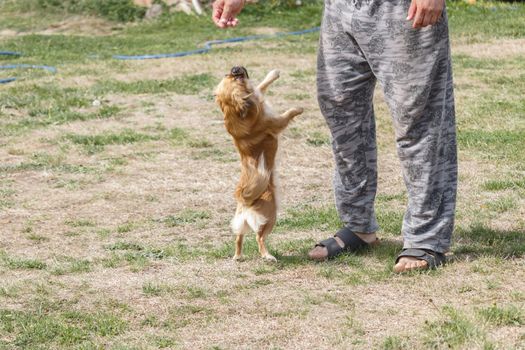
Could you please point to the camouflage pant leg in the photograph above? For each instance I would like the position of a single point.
(364, 40)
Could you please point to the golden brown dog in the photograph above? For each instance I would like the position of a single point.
(255, 129)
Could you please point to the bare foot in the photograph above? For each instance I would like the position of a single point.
(406, 264)
(321, 253)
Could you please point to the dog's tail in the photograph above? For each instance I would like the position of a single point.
(253, 182)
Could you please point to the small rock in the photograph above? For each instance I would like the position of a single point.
(154, 11)
(96, 103)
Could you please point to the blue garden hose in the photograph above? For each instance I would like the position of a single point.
(21, 66)
(208, 45)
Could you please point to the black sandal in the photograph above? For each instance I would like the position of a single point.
(433, 259)
(352, 243)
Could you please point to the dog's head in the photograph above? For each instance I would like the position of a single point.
(235, 95)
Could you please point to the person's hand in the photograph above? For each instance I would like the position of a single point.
(425, 12)
(224, 12)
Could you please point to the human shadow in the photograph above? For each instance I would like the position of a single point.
(480, 240)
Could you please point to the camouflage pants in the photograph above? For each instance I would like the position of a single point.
(367, 40)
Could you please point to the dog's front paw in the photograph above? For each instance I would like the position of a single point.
(274, 74)
(299, 110)
(237, 258)
(294, 112)
(269, 258)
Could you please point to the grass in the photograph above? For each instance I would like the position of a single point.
(47, 105)
(184, 85)
(17, 263)
(481, 240)
(309, 217)
(453, 331)
(96, 143)
(187, 216)
(503, 316)
(503, 145)
(506, 184)
(116, 181)
(45, 161)
(42, 327)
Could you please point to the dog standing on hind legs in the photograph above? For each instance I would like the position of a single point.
(255, 130)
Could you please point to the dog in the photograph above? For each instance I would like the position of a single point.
(255, 130)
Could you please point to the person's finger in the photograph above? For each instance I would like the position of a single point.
(227, 13)
(217, 10)
(427, 18)
(418, 18)
(412, 10)
(433, 19)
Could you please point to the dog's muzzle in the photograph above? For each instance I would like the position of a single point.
(239, 72)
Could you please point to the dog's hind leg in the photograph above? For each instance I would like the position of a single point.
(239, 227)
(263, 232)
(270, 78)
(238, 247)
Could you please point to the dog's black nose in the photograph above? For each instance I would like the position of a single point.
(239, 72)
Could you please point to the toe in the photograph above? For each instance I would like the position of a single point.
(409, 264)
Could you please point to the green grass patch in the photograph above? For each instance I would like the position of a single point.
(187, 217)
(503, 316)
(486, 19)
(43, 328)
(6, 197)
(393, 343)
(66, 265)
(45, 161)
(500, 145)
(453, 330)
(46, 105)
(139, 256)
(502, 205)
(9, 291)
(125, 246)
(115, 10)
(178, 135)
(216, 154)
(16, 263)
(96, 143)
(185, 85)
(80, 223)
(154, 289)
(37, 238)
(318, 139)
(309, 218)
(183, 315)
(506, 184)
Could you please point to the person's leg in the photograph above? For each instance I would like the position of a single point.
(345, 87)
(414, 68)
